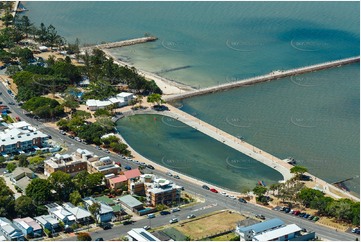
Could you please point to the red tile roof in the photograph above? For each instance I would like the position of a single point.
(117, 179)
(132, 173)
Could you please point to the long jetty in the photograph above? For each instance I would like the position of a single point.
(121, 43)
(282, 166)
(264, 78)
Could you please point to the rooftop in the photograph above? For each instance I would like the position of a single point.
(132, 173)
(277, 233)
(130, 201)
(260, 227)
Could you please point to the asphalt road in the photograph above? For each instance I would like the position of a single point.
(210, 198)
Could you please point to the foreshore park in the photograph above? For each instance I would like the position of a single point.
(99, 117)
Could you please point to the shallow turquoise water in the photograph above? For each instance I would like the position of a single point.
(179, 147)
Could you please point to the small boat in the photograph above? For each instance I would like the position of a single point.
(261, 183)
(21, 10)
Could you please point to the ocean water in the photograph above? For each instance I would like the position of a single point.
(313, 118)
(179, 147)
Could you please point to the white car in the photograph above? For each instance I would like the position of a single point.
(191, 216)
(175, 210)
(173, 220)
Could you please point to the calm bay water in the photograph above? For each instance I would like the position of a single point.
(313, 118)
(191, 152)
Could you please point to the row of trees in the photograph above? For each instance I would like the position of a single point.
(44, 107)
(342, 209)
(294, 191)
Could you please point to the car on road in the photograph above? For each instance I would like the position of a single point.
(205, 187)
(224, 194)
(173, 220)
(147, 227)
(233, 197)
(11, 103)
(175, 210)
(99, 239)
(260, 216)
(191, 216)
(150, 167)
(127, 167)
(213, 190)
(105, 226)
(169, 174)
(164, 212)
(151, 215)
(242, 200)
(176, 176)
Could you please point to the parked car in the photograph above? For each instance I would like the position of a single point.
(150, 167)
(175, 210)
(176, 176)
(147, 227)
(173, 220)
(306, 215)
(310, 217)
(205, 187)
(164, 212)
(316, 218)
(169, 174)
(297, 212)
(191, 216)
(105, 226)
(99, 239)
(287, 210)
(242, 200)
(260, 216)
(213, 190)
(301, 215)
(127, 167)
(151, 215)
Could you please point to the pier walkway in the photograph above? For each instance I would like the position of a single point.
(120, 43)
(264, 78)
(271, 161)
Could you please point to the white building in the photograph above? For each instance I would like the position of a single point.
(140, 234)
(273, 230)
(9, 230)
(120, 100)
(21, 137)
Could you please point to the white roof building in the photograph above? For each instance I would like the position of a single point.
(281, 234)
(120, 100)
(140, 234)
(20, 137)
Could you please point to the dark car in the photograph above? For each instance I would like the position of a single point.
(164, 212)
(105, 226)
(260, 216)
(99, 239)
(287, 210)
(150, 167)
(301, 214)
(127, 167)
(127, 222)
(205, 187)
(306, 215)
(242, 200)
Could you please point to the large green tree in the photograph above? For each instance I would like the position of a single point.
(24, 207)
(44, 107)
(155, 98)
(39, 190)
(62, 184)
(299, 171)
(7, 200)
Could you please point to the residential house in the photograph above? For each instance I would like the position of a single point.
(106, 213)
(10, 231)
(81, 215)
(103, 165)
(48, 222)
(131, 203)
(28, 227)
(120, 100)
(60, 213)
(21, 177)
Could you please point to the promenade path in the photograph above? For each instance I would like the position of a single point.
(262, 156)
(264, 78)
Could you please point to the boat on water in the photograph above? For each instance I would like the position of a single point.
(261, 183)
(19, 10)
